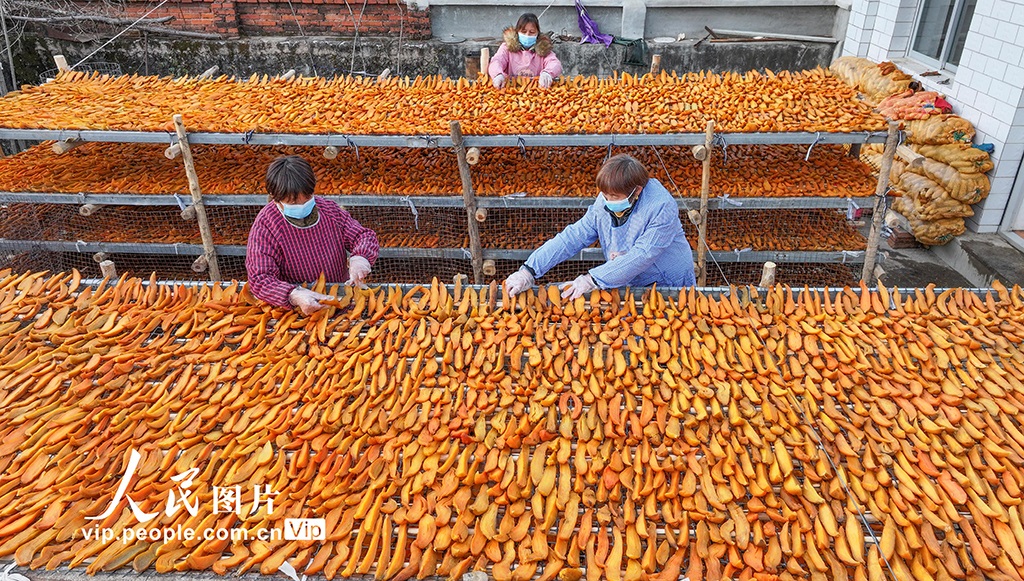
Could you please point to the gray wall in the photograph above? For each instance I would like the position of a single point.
(329, 57)
(638, 18)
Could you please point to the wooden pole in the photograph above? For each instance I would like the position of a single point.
(767, 275)
(197, 199)
(89, 209)
(655, 64)
(208, 73)
(875, 234)
(108, 270)
(485, 59)
(469, 198)
(705, 189)
(62, 147)
(61, 62)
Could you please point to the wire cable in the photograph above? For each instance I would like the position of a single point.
(116, 36)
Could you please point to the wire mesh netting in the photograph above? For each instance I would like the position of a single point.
(808, 230)
(112, 69)
(170, 268)
(65, 222)
(756, 170)
(792, 273)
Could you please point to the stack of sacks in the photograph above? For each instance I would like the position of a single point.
(874, 81)
(936, 193)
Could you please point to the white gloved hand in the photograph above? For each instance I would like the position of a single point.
(518, 281)
(358, 270)
(577, 288)
(306, 300)
(498, 81)
(545, 80)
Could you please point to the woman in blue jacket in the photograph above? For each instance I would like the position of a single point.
(637, 222)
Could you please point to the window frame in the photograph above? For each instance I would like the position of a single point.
(942, 63)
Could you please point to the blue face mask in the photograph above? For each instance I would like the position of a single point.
(527, 40)
(619, 205)
(298, 211)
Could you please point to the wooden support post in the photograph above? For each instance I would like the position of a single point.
(173, 151)
(490, 269)
(61, 62)
(910, 156)
(188, 214)
(62, 147)
(472, 67)
(200, 264)
(99, 257)
(485, 59)
(473, 155)
(767, 275)
(875, 234)
(197, 199)
(705, 189)
(208, 73)
(89, 209)
(108, 270)
(481, 215)
(469, 199)
(655, 64)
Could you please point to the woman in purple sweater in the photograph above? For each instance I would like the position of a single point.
(297, 237)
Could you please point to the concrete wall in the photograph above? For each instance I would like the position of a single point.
(636, 18)
(329, 57)
(987, 88)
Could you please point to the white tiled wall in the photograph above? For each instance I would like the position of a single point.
(988, 88)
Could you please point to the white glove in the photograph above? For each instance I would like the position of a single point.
(306, 300)
(518, 281)
(577, 288)
(498, 81)
(358, 270)
(545, 80)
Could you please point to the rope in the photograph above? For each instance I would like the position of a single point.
(401, 31)
(355, 25)
(817, 138)
(541, 15)
(302, 34)
(115, 37)
(7, 44)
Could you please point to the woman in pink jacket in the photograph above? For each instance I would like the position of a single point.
(525, 53)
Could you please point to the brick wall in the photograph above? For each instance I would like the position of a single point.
(232, 18)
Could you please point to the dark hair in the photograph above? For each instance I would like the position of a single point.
(288, 177)
(621, 174)
(528, 18)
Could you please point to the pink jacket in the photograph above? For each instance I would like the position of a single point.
(512, 60)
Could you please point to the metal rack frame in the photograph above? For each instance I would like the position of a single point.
(587, 254)
(525, 140)
(453, 201)
(370, 200)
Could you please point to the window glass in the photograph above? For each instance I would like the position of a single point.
(933, 27)
(960, 37)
